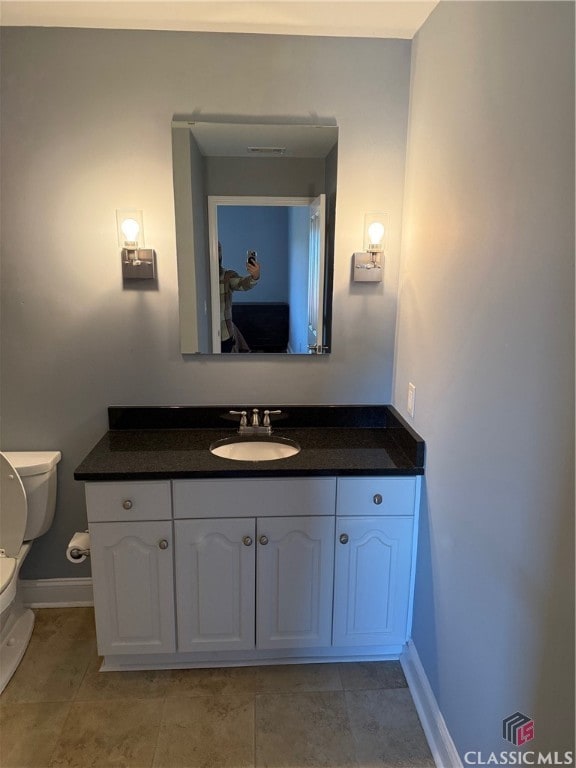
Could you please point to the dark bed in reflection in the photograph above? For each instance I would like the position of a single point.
(264, 325)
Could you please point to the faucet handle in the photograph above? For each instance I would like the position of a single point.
(266, 422)
(255, 417)
(242, 414)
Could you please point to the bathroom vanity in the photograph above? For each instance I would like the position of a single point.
(203, 561)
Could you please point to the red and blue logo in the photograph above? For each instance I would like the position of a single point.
(518, 729)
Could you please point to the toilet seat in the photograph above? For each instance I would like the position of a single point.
(7, 581)
(26, 511)
(13, 509)
(7, 568)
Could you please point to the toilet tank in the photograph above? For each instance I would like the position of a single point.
(37, 470)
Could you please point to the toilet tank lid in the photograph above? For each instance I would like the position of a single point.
(32, 462)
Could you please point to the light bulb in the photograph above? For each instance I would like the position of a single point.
(376, 232)
(130, 229)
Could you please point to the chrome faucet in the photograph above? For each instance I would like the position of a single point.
(255, 428)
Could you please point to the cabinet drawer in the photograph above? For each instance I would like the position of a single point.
(376, 496)
(254, 498)
(147, 500)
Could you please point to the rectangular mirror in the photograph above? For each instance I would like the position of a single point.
(254, 207)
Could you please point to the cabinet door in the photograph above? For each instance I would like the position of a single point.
(215, 592)
(372, 580)
(132, 574)
(295, 580)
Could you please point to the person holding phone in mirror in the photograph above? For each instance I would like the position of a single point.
(231, 340)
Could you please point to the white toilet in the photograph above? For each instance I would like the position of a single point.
(27, 504)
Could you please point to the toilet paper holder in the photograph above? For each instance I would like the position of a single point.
(76, 553)
(78, 548)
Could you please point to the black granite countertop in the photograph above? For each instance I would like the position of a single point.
(173, 442)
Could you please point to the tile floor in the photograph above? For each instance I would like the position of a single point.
(58, 711)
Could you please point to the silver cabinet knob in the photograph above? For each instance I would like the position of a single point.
(263, 539)
(127, 504)
(377, 498)
(163, 544)
(247, 541)
(343, 538)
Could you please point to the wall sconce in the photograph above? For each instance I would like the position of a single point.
(367, 264)
(137, 262)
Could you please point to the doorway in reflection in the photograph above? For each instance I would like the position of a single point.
(271, 314)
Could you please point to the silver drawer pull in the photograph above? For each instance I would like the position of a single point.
(247, 541)
(263, 539)
(163, 544)
(343, 538)
(377, 498)
(127, 504)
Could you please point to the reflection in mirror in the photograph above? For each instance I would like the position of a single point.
(264, 188)
(272, 262)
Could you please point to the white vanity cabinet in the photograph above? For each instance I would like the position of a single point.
(254, 563)
(241, 570)
(375, 539)
(131, 546)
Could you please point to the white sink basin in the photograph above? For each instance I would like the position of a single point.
(253, 449)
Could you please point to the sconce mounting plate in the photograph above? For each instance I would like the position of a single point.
(367, 268)
(139, 264)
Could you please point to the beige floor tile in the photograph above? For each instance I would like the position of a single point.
(51, 670)
(122, 734)
(387, 730)
(73, 623)
(97, 686)
(364, 675)
(295, 678)
(210, 682)
(60, 712)
(29, 732)
(207, 732)
(95, 663)
(303, 729)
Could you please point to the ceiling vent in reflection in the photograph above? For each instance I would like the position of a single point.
(266, 150)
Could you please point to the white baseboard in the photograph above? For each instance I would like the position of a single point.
(441, 745)
(56, 593)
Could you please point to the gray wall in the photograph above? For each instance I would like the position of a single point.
(486, 333)
(191, 212)
(276, 176)
(85, 131)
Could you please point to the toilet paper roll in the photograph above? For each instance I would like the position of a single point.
(78, 547)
